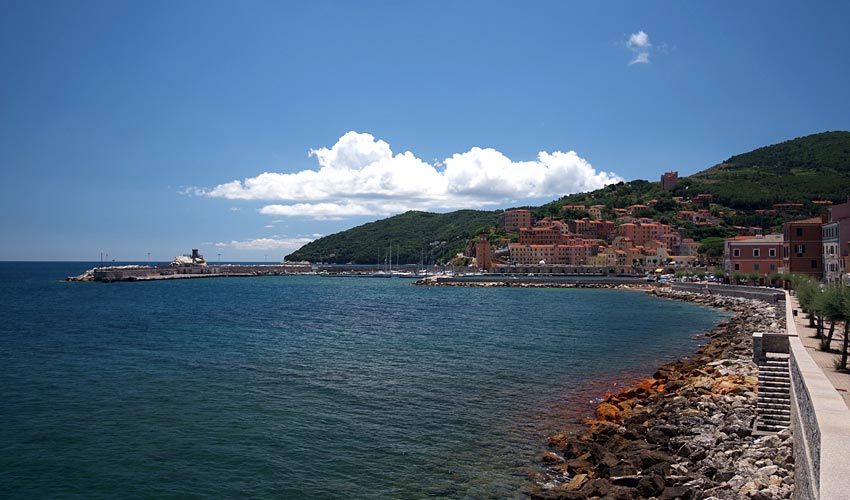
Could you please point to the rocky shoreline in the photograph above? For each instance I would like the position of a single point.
(518, 284)
(684, 433)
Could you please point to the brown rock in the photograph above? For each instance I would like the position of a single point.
(558, 440)
(576, 482)
(609, 413)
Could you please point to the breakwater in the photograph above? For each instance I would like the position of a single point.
(149, 273)
(686, 432)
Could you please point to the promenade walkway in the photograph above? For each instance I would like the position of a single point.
(824, 360)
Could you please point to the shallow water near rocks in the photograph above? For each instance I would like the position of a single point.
(305, 387)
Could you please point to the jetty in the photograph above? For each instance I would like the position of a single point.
(187, 267)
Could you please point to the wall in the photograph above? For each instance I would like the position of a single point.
(821, 424)
(771, 295)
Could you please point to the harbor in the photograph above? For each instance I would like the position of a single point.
(186, 267)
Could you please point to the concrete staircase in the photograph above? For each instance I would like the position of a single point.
(773, 411)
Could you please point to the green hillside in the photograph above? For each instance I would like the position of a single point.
(815, 167)
(413, 236)
(795, 171)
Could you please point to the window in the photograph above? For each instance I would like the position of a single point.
(814, 264)
(771, 252)
(737, 266)
(773, 267)
(799, 231)
(755, 267)
(756, 252)
(799, 250)
(736, 252)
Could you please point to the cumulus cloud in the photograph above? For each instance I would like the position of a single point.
(285, 244)
(640, 46)
(360, 175)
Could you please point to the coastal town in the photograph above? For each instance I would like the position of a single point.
(623, 241)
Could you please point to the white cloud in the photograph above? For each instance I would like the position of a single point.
(285, 244)
(639, 41)
(640, 58)
(640, 46)
(360, 176)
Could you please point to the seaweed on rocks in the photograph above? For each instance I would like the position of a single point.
(686, 432)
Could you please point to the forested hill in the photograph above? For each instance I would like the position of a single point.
(815, 167)
(412, 237)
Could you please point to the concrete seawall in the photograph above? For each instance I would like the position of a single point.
(821, 424)
(820, 421)
(769, 295)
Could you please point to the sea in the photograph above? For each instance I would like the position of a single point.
(306, 387)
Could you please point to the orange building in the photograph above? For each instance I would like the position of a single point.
(513, 220)
(642, 232)
(761, 254)
(596, 229)
(545, 232)
(802, 249)
(576, 251)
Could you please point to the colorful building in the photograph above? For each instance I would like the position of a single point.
(594, 229)
(802, 250)
(642, 232)
(835, 235)
(760, 255)
(514, 220)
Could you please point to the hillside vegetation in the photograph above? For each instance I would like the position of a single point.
(795, 171)
(413, 236)
(815, 167)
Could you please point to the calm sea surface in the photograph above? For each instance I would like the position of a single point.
(303, 387)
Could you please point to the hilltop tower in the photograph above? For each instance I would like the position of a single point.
(669, 180)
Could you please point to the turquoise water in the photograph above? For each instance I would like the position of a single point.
(302, 387)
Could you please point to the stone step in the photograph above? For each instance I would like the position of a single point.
(773, 369)
(773, 401)
(774, 383)
(769, 397)
(771, 428)
(779, 386)
(775, 386)
(774, 390)
(775, 422)
(774, 362)
(775, 412)
(775, 418)
(772, 406)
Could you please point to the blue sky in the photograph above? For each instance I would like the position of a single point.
(249, 128)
